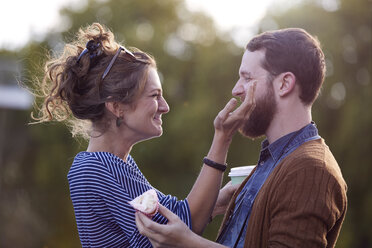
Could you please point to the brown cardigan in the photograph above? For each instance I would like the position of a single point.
(301, 204)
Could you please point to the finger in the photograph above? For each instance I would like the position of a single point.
(167, 213)
(234, 187)
(146, 226)
(229, 107)
(141, 227)
(249, 96)
(248, 104)
(227, 185)
(251, 101)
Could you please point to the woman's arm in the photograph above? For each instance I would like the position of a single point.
(203, 195)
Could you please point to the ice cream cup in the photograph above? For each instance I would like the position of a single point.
(238, 174)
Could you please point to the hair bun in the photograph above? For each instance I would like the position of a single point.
(93, 48)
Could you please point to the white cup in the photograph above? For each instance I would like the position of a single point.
(238, 174)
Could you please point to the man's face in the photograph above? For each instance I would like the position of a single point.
(250, 71)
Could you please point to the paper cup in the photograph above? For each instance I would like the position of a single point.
(238, 174)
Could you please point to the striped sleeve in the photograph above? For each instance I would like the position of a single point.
(180, 208)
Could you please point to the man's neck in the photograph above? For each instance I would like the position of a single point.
(283, 124)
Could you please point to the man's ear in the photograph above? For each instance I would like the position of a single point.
(287, 83)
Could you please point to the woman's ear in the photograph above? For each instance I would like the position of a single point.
(115, 108)
(287, 83)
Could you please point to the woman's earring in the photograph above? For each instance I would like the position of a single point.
(119, 120)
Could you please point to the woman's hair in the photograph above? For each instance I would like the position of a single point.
(73, 88)
(296, 51)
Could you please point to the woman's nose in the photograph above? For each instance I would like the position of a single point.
(163, 106)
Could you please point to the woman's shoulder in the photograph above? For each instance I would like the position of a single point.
(89, 164)
(85, 164)
(88, 159)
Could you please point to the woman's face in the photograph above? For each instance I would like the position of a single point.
(144, 121)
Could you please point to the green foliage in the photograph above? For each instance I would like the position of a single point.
(198, 70)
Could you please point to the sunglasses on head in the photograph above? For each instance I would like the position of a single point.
(121, 48)
(93, 48)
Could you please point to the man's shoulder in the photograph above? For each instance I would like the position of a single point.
(313, 157)
(313, 153)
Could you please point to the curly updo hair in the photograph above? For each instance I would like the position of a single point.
(73, 88)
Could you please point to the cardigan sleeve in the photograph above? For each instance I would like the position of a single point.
(306, 206)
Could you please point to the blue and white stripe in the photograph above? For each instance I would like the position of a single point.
(101, 185)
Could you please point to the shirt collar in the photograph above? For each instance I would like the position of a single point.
(276, 149)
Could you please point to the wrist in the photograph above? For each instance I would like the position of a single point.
(213, 164)
(199, 241)
(222, 137)
(221, 142)
(219, 148)
(190, 240)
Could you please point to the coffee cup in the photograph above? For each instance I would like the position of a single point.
(238, 174)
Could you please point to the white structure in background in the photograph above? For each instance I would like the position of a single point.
(12, 96)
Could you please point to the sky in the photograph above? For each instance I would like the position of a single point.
(238, 15)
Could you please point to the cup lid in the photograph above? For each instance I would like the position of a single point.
(241, 171)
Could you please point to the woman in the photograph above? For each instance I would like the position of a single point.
(118, 93)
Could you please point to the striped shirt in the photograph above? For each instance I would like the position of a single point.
(101, 185)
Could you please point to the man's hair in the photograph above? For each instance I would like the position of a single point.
(293, 50)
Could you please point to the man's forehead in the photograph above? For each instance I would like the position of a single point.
(245, 72)
(251, 62)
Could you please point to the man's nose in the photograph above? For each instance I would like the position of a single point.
(238, 90)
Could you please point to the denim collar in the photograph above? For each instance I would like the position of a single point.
(276, 149)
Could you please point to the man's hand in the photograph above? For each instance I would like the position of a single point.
(174, 234)
(224, 198)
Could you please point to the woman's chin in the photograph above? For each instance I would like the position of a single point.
(158, 133)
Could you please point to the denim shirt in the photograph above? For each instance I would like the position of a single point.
(270, 156)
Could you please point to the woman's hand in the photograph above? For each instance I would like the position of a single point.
(174, 234)
(224, 198)
(228, 120)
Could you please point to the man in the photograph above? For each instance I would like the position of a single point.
(296, 196)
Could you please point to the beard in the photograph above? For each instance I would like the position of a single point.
(262, 115)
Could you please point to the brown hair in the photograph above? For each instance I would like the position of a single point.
(293, 50)
(73, 91)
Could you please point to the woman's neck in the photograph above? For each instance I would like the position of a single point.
(109, 142)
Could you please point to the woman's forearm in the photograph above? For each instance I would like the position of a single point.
(204, 193)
